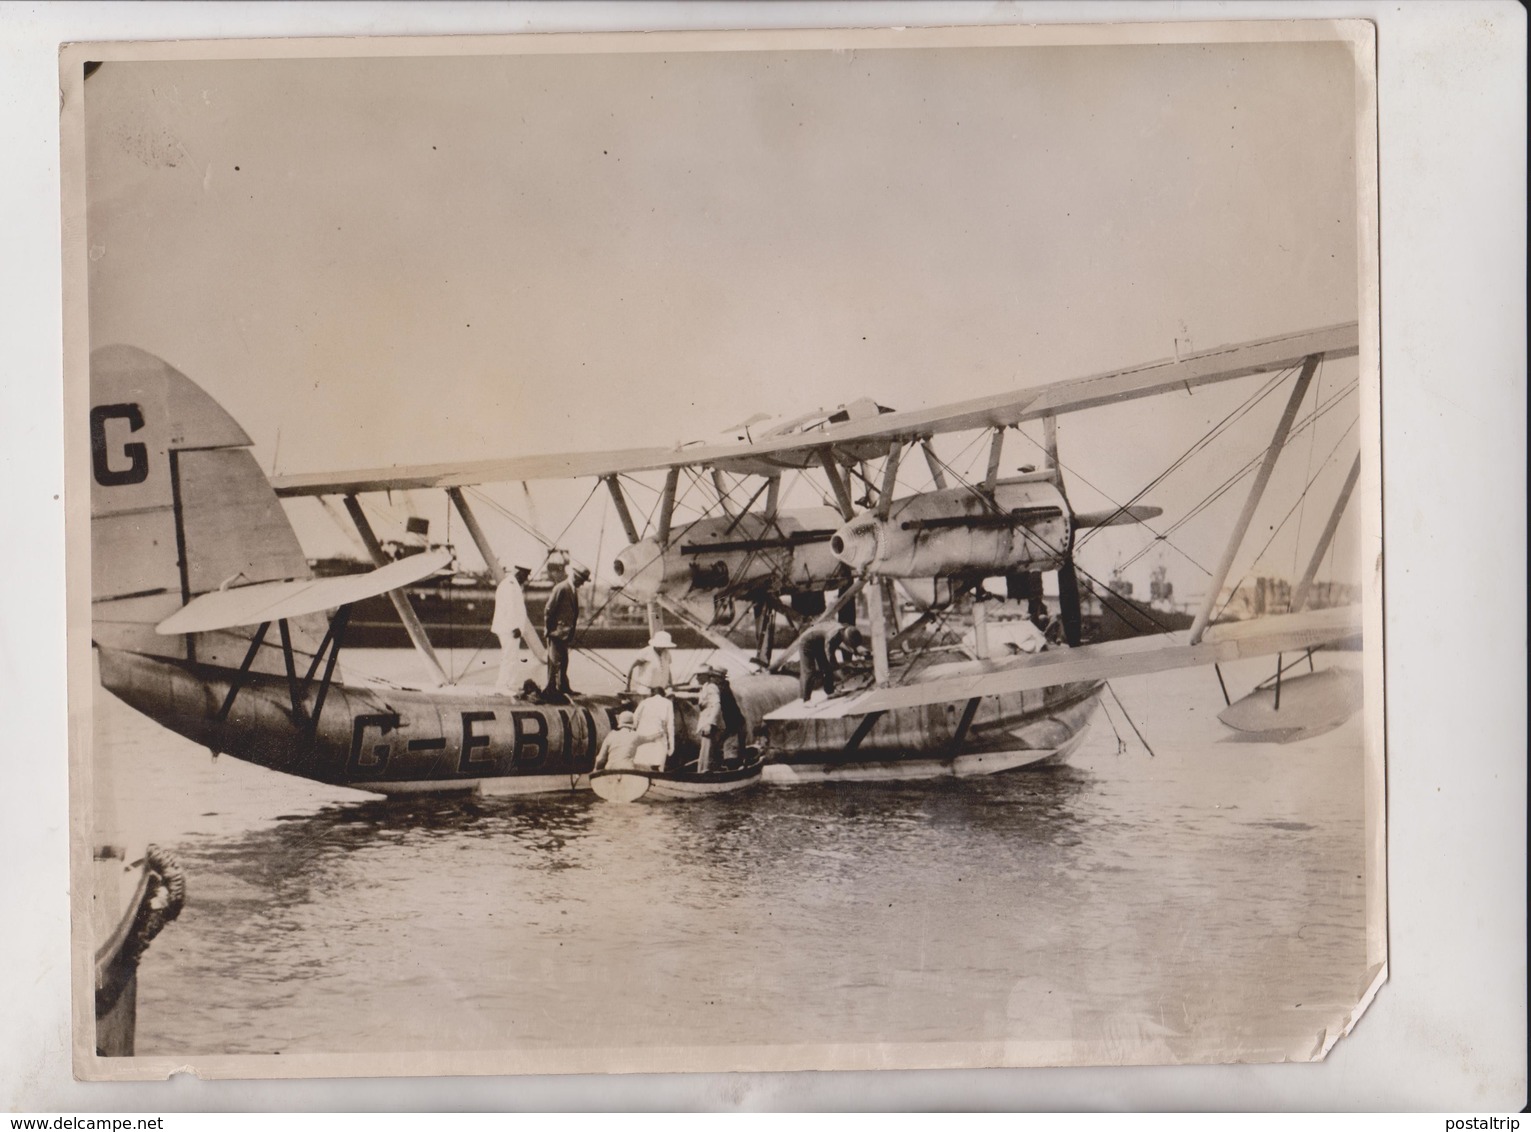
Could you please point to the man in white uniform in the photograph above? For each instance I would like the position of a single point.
(709, 718)
(655, 723)
(651, 671)
(520, 647)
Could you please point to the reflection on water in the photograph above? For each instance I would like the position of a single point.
(1204, 902)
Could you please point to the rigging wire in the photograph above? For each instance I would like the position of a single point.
(1121, 508)
(1128, 717)
(1233, 480)
(1277, 531)
(1233, 417)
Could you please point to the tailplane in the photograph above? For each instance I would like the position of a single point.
(178, 508)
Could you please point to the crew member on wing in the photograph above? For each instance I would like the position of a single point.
(825, 646)
(652, 668)
(519, 644)
(560, 619)
(619, 745)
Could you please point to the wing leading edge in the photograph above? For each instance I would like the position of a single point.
(1225, 363)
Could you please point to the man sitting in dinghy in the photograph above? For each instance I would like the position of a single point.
(618, 749)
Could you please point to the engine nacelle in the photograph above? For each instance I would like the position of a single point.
(731, 557)
(1024, 526)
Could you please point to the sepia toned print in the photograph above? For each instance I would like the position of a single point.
(739, 551)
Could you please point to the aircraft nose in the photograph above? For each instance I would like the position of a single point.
(855, 544)
(640, 569)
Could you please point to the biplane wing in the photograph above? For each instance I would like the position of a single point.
(801, 448)
(1291, 632)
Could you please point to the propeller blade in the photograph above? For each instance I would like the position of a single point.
(1068, 601)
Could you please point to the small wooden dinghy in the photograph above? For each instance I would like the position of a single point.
(631, 785)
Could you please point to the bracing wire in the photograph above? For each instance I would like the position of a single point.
(1290, 511)
(1232, 418)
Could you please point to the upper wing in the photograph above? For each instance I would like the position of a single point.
(1290, 632)
(796, 449)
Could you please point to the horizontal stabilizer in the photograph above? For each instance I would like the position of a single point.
(1236, 640)
(273, 601)
(1116, 516)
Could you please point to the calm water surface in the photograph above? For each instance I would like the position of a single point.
(1206, 902)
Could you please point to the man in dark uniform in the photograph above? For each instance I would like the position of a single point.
(560, 619)
(825, 646)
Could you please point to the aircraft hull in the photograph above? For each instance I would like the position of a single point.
(390, 740)
(1030, 729)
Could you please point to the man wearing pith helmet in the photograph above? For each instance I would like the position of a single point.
(651, 669)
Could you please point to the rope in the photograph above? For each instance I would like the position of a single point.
(1121, 745)
(1128, 718)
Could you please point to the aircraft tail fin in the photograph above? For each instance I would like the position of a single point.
(178, 508)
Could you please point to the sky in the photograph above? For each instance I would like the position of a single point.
(403, 260)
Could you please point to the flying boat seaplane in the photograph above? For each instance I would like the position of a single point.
(207, 619)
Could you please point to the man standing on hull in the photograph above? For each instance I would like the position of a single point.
(519, 643)
(560, 619)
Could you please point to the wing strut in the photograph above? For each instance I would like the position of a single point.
(1070, 611)
(877, 614)
(406, 611)
(1300, 598)
(837, 482)
(620, 502)
(937, 476)
(889, 478)
(1050, 447)
(723, 500)
(476, 532)
(1256, 490)
(996, 453)
(667, 507)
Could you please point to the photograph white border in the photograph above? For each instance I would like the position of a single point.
(1453, 1035)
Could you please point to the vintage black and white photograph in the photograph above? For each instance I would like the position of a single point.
(732, 551)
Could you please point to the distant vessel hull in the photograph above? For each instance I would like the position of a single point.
(458, 617)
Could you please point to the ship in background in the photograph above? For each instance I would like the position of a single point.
(456, 606)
